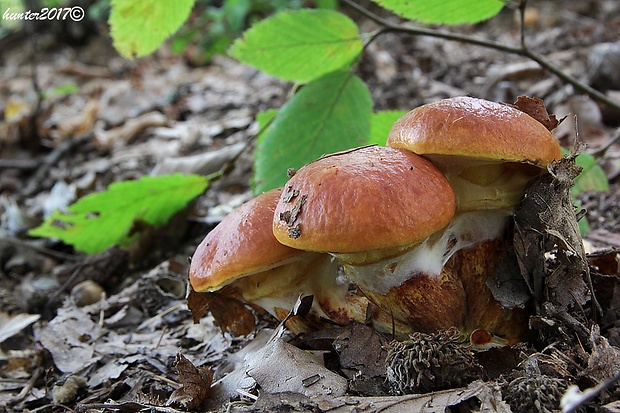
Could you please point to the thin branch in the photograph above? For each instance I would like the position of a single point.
(387, 26)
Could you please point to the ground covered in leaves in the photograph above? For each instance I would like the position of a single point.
(112, 331)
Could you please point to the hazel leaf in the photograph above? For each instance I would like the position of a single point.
(592, 177)
(100, 220)
(445, 11)
(329, 114)
(381, 123)
(300, 45)
(138, 27)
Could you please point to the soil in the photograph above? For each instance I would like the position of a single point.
(66, 347)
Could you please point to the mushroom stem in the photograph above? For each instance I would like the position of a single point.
(442, 281)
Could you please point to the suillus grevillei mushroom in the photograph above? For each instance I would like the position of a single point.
(490, 153)
(242, 258)
(376, 209)
(420, 227)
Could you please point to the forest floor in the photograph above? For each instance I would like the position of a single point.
(104, 119)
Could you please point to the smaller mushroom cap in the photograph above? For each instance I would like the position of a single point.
(241, 245)
(365, 199)
(475, 128)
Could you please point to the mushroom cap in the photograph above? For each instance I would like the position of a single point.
(475, 128)
(365, 199)
(241, 245)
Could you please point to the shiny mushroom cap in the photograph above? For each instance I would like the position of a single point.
(369, 198)
(475, 128)
(489, 152)
(241, 245)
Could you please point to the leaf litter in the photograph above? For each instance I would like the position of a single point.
(125, 345)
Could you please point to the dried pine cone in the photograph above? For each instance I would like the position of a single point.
(429, 362)
(534, 394)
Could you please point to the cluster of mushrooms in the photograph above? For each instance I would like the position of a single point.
(406, 237)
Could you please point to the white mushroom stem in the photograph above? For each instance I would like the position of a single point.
(278, 289)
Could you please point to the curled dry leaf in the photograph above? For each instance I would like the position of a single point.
(546, 223)
(362, 352)
(230, 314)
(130, 129)
(535, 107)
(196, 383)
(281, 367)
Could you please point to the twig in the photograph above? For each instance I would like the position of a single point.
(35, 78)
(21, 164)
(41, 250)
(574, 398)
(35, 182)
(599, 152)
(387, 26)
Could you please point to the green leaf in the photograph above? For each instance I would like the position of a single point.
(591, 178)
(444, 11)
(138, 27)
(327, 115)
(300, 45)
(380, 126)
(100, 220)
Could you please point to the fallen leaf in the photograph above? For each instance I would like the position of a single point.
(280, 367)
(13, 324)
(68, 338)
(362, 353)
(487, 397)
(546, 223)
(230, 314)
(196, 383)
(535, 107)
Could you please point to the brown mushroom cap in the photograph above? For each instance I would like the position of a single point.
(370, 198)
(242, 244)
(475, 128)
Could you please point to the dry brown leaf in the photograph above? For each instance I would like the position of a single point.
(279, 367)
(196, 383)
(230, 314)
(546, 222)
(488, 400)
(535, 107)
(362, 352)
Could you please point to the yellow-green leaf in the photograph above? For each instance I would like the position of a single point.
(300, 45)
(444, 11)
(139, 27)
(100, 220)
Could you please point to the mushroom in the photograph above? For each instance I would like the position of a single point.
(240, 257)
(377, 210)
(490, 153)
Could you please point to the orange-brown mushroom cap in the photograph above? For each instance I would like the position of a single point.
(475, 128)
(369, 198)
(240, 245)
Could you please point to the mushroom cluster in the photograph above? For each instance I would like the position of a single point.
(418, 227)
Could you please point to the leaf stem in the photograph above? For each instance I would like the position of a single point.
(522, 50)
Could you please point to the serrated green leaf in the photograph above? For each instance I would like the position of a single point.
(444, 11)
(300, 45)
(138, 27)
(591, 178)
(381, 123)
(100, 220)
(327, 115)
(264, 118)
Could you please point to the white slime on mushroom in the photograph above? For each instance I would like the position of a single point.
(428, 258)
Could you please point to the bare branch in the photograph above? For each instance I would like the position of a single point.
(387, 26)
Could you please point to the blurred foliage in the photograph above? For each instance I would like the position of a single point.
(215, 24)
(116, 216)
